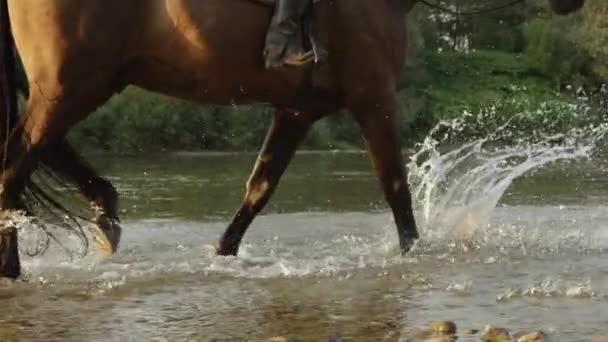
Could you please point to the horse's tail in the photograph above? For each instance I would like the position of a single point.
(9, 102)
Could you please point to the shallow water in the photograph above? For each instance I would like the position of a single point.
(322, 262)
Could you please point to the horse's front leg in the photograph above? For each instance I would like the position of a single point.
(375, 113)
(287, 131)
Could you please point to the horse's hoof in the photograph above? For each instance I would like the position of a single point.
(407, 244)
(226, 251)
(106, 233)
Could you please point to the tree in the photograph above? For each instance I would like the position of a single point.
(592, 35)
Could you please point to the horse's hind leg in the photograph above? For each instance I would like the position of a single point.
(64, 160)
(43, 126)
(376, 116)
(285, 135)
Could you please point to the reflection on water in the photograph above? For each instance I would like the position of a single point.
(322, 262)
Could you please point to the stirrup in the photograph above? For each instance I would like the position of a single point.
(299, 59)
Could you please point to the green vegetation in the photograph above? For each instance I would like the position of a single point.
(520, 58)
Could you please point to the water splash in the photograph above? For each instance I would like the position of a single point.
(457, 188)
(36, 236)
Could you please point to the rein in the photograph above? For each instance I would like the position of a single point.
(475, 12)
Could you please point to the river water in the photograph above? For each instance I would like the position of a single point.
(322, 262)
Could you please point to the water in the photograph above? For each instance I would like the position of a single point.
(323, 261)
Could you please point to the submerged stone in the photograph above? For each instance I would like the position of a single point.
(494, 334)
(439, 331)
(445, 338)
(536, 336)
(443, 327)
(277, 339)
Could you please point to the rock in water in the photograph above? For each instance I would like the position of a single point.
(443, 327)
(494, 334)
(277, 339)
(10, 266)
(446, 338)
(537, 336)
(439, 331)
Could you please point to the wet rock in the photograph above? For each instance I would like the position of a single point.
(429, 336)
(536, 336)
(286, 339)
(440, 331)
(494, 334)
(446, 338)
(443, 327)
(277, 339)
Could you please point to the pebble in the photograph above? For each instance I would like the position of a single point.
(443, 327)
(494, 334)
(536, 336)
(439, 331)
(446, 338)
(277, 339)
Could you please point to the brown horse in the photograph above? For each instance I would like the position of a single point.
(77, 54)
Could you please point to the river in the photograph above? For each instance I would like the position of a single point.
(321, 262)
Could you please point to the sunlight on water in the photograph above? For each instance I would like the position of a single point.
(458, 183)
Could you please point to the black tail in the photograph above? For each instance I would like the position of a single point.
(9, 112)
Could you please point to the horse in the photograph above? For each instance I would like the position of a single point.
(76, 54)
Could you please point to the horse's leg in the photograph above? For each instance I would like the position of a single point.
(103, 197)
(44, 125)
(376, 116)
(287, 131)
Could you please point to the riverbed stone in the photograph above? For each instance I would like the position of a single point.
(443, 327)
(440, 331)
(535, 336)
(495, 334)
(277, 339)
(10, 266)
(445, 338)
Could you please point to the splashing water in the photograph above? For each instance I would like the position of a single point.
(457, 188)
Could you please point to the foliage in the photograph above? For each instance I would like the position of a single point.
(592, 34)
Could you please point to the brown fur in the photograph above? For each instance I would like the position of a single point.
(78, 53)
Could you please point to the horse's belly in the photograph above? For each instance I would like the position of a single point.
(211, 51)
(214, 81)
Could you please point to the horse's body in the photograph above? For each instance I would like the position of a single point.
(77, 54)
